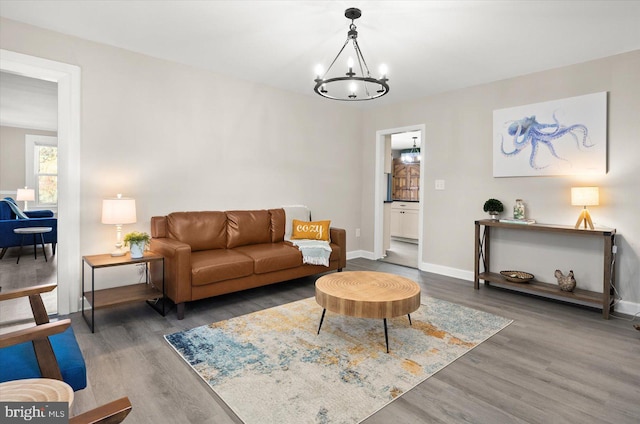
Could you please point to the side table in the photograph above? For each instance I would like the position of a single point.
(33, 230)
(123, 294)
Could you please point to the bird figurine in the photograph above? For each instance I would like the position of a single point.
(566, 282)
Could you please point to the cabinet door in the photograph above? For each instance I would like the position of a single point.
(400, 181)
(396, 223)
(413, 182)
(410, 224)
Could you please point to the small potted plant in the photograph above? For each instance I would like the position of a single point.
(494, 207)
(137, 242)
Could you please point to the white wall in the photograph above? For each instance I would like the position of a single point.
(179, 138)
(458, 146)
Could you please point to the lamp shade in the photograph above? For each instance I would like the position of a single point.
(119, 210)
(585, 196)
(26, 194)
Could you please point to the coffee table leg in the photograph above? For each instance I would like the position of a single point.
(409, 315)
(20, 251)
(386, 336)
(321, 319)
(43, 251)
(35, 247)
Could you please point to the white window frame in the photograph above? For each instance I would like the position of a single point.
(30, 153)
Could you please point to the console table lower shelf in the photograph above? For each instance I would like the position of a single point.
(580, 296)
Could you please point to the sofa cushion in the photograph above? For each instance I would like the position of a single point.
(200, 230)
(271, 257)
(19, 361)
(211, 266)
(248, 227)
(278, 224)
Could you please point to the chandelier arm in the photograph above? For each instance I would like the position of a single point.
(361, 60)
(356, 46)
(336, 58)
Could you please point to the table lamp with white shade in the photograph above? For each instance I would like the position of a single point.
(585, 196)
(118, 211)
(26, 195)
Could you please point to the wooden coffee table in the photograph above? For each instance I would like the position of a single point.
(367, 294)
(36, 390)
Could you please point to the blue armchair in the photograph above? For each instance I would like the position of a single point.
(10, 221)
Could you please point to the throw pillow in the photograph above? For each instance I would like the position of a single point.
(314, 230)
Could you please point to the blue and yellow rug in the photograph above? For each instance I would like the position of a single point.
(271, 366)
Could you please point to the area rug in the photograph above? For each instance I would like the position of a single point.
(271, 366)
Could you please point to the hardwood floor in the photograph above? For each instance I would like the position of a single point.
(29, 272)
(556, 363)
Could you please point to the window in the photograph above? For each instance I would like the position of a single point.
(41, 168)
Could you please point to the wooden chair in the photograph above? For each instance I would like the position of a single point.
(46, 350)
(112, 413)
(51, 342)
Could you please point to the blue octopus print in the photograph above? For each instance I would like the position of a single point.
(527, 131)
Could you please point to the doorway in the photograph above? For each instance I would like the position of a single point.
(28, 158)
(68, 250)
(404, 248)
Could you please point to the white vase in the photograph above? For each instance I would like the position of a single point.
(137, 250)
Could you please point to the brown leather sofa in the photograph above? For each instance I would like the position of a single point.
(212, 253)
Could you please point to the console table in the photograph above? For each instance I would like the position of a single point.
(599, 300)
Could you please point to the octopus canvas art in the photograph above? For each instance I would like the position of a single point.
(529, 132)
(561, 137)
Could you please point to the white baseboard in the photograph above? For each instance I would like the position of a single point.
(627, 308)
(448, 271)
(361, 254)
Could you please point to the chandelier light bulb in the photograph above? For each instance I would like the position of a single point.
(319, 71)
(383, 70)
(352, 90)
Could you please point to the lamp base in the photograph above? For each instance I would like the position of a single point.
(586, 218)
(118, 252)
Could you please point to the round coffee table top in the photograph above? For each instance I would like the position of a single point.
(32, 230)
(36, 390)
(367, 294)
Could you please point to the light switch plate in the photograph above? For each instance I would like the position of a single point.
(439, 184)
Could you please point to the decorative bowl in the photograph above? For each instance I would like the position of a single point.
(517, 276)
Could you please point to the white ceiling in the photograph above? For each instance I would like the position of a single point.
(28, 102)
(404, 140)
(428, 46)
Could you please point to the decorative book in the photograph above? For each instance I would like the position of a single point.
(518, 221)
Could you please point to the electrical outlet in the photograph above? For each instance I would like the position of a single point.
(439, 184)
(357, 232)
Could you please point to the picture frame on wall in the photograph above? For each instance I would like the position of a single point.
(558, 137)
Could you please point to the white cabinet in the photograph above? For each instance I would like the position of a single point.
(404, 219)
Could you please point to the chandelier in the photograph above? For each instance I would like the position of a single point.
(411, 156)
(353, 86)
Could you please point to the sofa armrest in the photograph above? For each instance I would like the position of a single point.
(339, 237)
(177, 267)
(39, 214)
